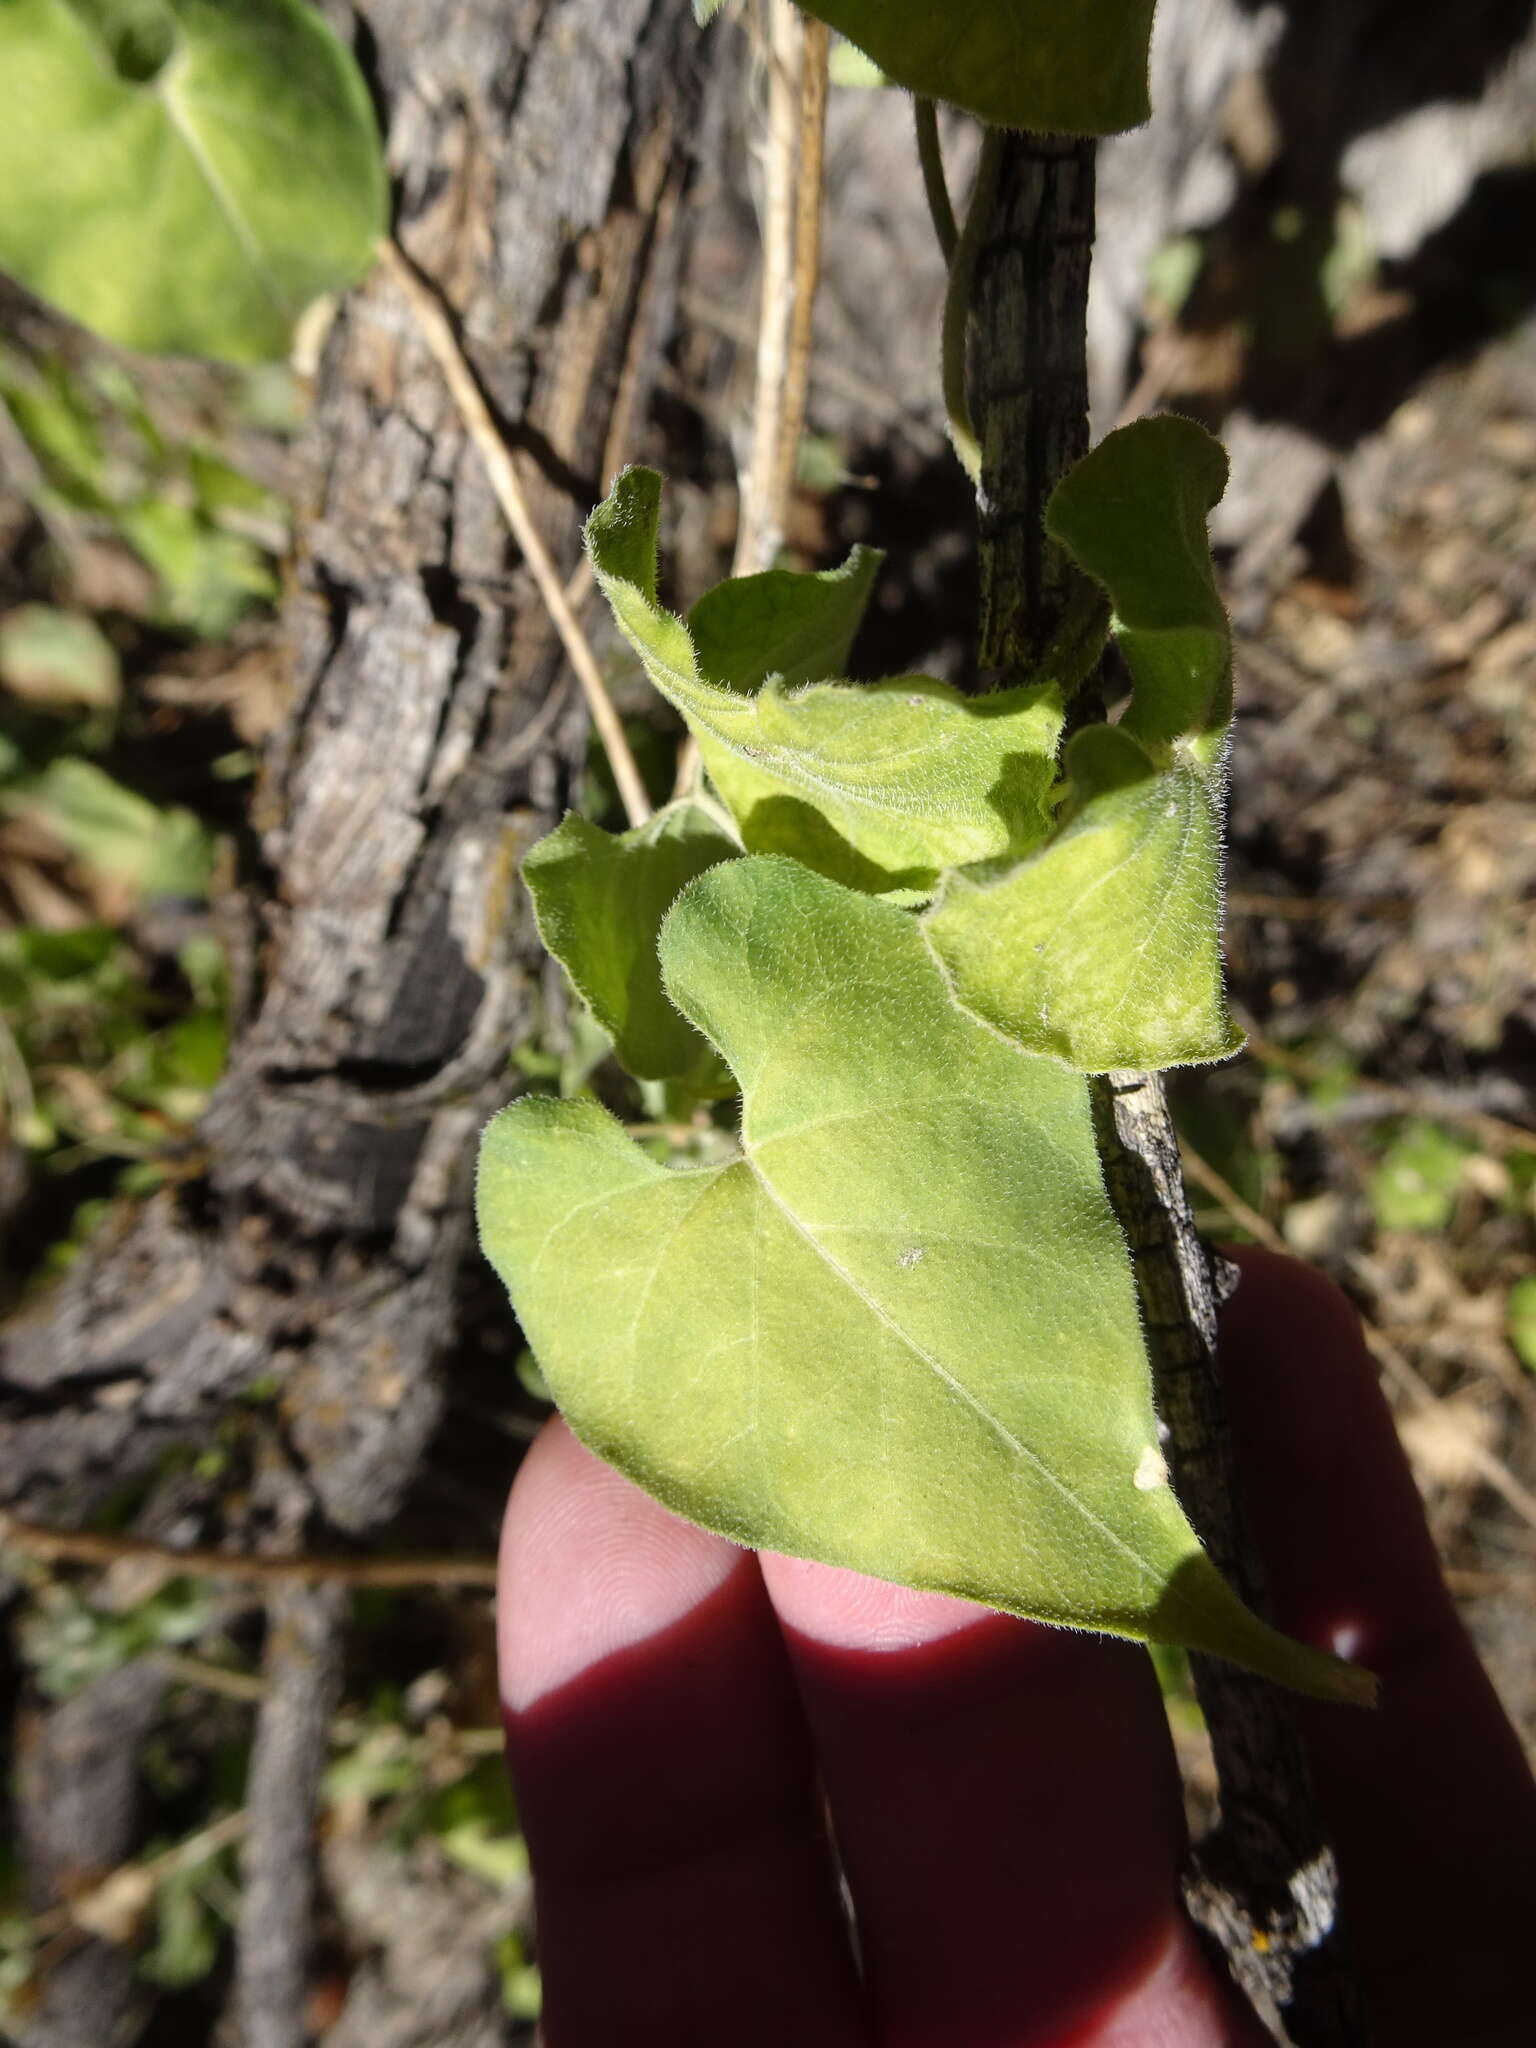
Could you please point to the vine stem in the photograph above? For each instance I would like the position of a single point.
(957, 303)
(930, 155)
(1263, 1886)
(442, 343)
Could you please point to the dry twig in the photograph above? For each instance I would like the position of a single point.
(91, 1546)
(437, 332)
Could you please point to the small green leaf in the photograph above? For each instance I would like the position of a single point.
(599, 901)
(880, 785)
(899, 1332)
(1133, 512)
(1520, 1320)
(118, 833)
(184, 174)
(1078, 67)
(186, 1938)
(57, 658)
(1103, 948)
(1420, 1176)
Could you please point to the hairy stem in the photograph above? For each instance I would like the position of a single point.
(1263, 1885)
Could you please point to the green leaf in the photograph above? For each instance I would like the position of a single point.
(58, 659)
(599, 900)
(115, 831)
(184, 174)
(1133, 512)
(1103, 948)
(1078, 67)
(880, 785)
(1419, 1179)
(899, 1333)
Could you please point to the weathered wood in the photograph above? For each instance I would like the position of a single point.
(534, 149)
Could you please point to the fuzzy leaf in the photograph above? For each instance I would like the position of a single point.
(880, 785)
(1103, 948)
(599, 901)
(899, 1332)
(184, 174)
(1134, 514)
(1078, 67)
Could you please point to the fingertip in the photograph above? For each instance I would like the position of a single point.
(844, 1609)
(589, 1566)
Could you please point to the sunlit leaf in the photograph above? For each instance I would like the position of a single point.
(880, 785)
(899, 1332)
(184, 174)
(1134, 513)
(1103, 948)
(600, 900)
(1078, 67)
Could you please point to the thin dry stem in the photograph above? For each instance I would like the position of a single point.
(760, 528)
(91, 1546)
(437, 332)
(815, 41)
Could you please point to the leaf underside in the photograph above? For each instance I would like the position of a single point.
(899, 1333)
(1075, 67)
(184, 175)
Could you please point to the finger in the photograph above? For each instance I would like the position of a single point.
(1430, 1803)
(666, 1783)
(1008, 1812)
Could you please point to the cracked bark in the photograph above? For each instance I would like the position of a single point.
(1263, 1885)
(432, 737)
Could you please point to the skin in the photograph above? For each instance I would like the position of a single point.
(684, 1718)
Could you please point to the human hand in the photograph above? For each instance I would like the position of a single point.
(682, 1714)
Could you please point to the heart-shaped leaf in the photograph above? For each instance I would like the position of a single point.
(184, 174)
(880, 785)
(899, 1332)
(1078, 67)
(599, 901)
(1103, 948)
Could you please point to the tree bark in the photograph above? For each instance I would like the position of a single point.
(536, 151)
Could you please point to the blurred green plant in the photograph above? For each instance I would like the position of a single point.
(1419, 1179)
(185, 175)
(67, 1641)
(208, 534)
(97, 1067)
